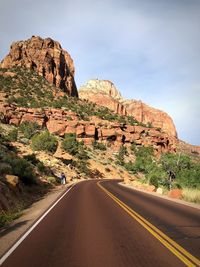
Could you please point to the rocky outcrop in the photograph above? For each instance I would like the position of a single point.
(60, 122)
(188, 148)
(104, 93)
(47, 57)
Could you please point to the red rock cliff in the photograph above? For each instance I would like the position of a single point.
(47, 57)
(104, 93)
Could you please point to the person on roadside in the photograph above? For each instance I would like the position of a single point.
(63, 178)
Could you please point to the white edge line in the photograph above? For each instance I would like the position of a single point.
(10, 251)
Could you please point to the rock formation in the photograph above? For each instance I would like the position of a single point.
(47, 57)
(60, 122)
(104, 93)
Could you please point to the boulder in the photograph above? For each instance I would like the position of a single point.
(12, 180)
(56, 126)
(90, 130)
(159, 190)
(175, 193)
(80, 131)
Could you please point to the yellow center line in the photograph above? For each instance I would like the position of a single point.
(187, 258)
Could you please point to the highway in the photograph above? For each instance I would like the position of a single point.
(103, 224)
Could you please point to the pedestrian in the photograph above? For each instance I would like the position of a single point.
(63, 178)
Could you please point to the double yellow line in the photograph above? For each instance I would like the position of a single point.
(187, 258)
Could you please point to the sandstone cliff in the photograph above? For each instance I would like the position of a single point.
(105, 93)
(47, 57)
(60, 122)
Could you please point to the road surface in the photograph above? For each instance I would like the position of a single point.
(107, 225)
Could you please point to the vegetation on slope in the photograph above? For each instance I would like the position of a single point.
(171, 170)
(25, 88)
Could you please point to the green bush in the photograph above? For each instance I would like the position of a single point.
(12, 135)
(41, 167)
(70, 144)
(74, 147)
(44, 142)
(186, 172)
(82, 167)
(120, 156)
(28, 129)
(99, 146)
(6, 218)
(36, 162)
(144, 158)
(22, 168)
(5, 168)
(156, 176)
(31, 158)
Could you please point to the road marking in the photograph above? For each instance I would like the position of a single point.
(187, 258)
(10, 251)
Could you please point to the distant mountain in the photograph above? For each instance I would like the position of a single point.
(104, 93)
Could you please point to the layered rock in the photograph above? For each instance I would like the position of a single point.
(60, 122)
(104, 93)
(47, 57)
(188, 148)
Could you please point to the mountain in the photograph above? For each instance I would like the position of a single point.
(47, 58)
(45, 129)
(104, 93)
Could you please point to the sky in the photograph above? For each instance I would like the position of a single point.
(150, 49)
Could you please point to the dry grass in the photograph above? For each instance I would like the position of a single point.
(191, 195)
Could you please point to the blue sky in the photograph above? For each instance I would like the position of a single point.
(150, 49)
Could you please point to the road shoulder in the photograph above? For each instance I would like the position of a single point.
(179, 201)
(10, 234)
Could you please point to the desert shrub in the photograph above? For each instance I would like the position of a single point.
(21, 101)
(5, 168)
(156, 176)
(12, 135)
(22, 168)
(31, 158)
(82, 153)
(144, 158)
(41, 167)
(121, 154)
(130, 166)
(100, 146)
(6, 217)
(44, 142)
(51, 179)
(70, 144)
(73, 147)
(28, 129)
(82, 167)
(36, 162)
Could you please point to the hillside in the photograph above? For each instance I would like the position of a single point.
(46, 130)
(104, 93)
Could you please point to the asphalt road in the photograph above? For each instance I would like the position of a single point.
(107, 225)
